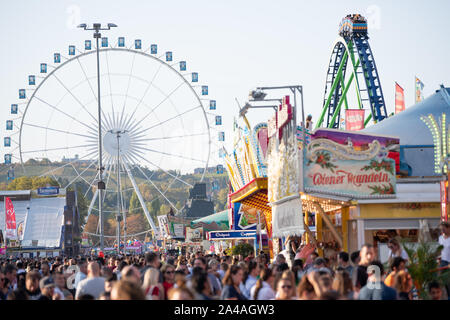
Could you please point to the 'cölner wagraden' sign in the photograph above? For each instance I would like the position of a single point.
(351, 164)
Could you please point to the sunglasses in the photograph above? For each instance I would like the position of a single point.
(286, 287)
(169, 271)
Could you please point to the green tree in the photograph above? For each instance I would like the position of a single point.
(243, 249)
(423, 266)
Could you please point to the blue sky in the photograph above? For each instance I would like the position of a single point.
(237, 45)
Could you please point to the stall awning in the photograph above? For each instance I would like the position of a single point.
(254, 195)
(216, 221)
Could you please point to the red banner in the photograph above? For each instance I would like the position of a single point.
(399, 99)
(354, 119)
(444, 201)
(10, 219)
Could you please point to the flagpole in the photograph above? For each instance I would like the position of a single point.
(6, 248)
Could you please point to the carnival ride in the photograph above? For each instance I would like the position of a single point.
(352, 55)
(154, 113)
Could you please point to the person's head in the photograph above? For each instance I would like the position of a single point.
(342, 283)
(435, 290)
(17, 295)
(253, 268)
(398, 263)
(109, 282)
(93, 269)
(367, 254)
(58, 277)
(32, 281)
(168, 272)
(11, 272)
(200, 283)
(152, 260)
(82, 264)
(126, 290)
(325, 282)
(343, 258)
(131, 273)
(319, 263)
(200, 262)
(180, 293)
(285, 289)
(280, 259)
(402, 281)
(305, 290)
(354, 258)
(375, 271)
(234, 276)
(106, 272)
(47, 286)
(213, 265)
(45, 269)
(313, 255)
(445, 228)
(393, 245)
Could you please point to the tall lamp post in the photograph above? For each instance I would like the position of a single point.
(97, 27)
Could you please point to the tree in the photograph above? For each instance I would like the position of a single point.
(243, 249)
(135, 205)
(423, 266)
(155, 207)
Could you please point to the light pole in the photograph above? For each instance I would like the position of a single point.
(100, 185)
(118, 216)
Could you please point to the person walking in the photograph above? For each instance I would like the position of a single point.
(231, 282)
(263, 288)
(367, 255)
(94, 284)
(375, 289)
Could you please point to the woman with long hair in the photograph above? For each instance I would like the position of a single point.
(343, 284)
(151, 286)
(305, 290)
(403, 285)
(231, 282)
(263, 289)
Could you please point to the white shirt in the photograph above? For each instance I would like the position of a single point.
(404, 255)
(251, 281)
(445, 253)
(265, 293)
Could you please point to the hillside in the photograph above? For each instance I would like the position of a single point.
(174, 190)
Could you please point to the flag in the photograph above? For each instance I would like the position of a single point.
(419, 90)
(10, 230)
(354, 119)
(399, 99)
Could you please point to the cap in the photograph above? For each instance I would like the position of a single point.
(46, 282)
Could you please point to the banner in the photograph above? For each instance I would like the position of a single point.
(354, 119)
(350, 165)
(48, 191)
(287, 218)
(163, 226)
(399, 99)
(230, 235)
(194, 235)
(10, 219)
(419, 90)
(444, 200)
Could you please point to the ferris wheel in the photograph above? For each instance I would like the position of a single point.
(157, 117)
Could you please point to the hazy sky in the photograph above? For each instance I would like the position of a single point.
(236, 45)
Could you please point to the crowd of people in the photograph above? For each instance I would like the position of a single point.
(200, 276)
